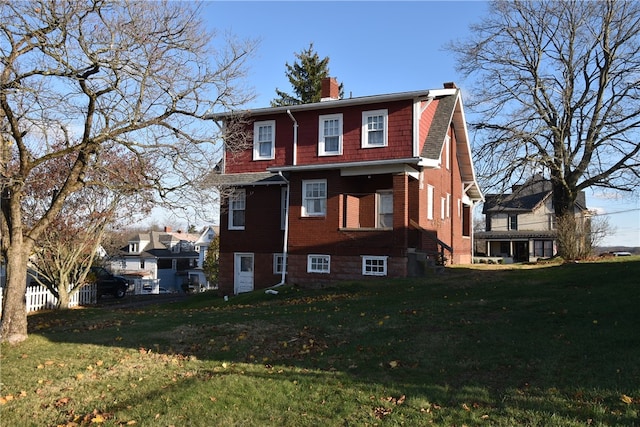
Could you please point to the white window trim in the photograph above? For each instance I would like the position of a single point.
(448, 205)
(443, 203)
(277, 257)
(365, 132)
(321, 146)
(430, 200)
(232, 197)
(310, 257)
(256, 145)
(447, 152)
(366, 258)
(304, 198)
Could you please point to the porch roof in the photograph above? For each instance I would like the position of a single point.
(247, 179)
(515, 235)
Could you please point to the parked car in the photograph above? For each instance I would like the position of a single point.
(109, 284)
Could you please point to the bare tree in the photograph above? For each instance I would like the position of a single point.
(67, 248)
(558, 93)
(100, 75)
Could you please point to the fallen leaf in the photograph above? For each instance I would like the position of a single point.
(62, 401)
(381, 412)
(98, 419)
(626, 399)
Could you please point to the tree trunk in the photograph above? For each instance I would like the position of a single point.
(564, 203)
(13, 328)
(64, 296)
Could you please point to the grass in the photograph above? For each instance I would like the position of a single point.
(489, 345)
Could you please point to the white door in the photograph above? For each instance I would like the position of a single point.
(243, 267)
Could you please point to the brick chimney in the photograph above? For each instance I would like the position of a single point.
(450, 85)
(330, 89)
(167, 229)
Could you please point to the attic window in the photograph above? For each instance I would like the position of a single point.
(134, 248)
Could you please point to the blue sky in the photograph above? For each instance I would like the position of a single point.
(375, 48)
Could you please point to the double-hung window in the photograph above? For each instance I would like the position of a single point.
(513, 222)
(237, 204)
(314, 197)
(319, 264)
(330, 135)
(385, 209)
(374, 128)
(264, 140)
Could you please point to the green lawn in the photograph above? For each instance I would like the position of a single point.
(496, 346)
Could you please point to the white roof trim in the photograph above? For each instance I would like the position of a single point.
(363, 100)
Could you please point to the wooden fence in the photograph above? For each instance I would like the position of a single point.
(40, 298)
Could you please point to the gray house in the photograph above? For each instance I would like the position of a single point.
(168, 256)
(520, 225)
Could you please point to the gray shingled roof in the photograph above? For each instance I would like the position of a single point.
(249, 178)
(525, 198)
(439, 127)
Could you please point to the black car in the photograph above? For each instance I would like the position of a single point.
(108, 284)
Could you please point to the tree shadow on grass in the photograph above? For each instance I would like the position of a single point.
(559, 341)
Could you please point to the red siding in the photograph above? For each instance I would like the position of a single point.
(347, 232)
(400, 138)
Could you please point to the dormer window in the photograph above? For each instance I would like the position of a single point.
(134, 248)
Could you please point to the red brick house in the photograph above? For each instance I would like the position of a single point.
(347, 188)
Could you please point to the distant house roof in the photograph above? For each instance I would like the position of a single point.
(526, 197)
(159, 244)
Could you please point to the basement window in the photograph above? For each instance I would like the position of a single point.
(374, 265)
(319, 264)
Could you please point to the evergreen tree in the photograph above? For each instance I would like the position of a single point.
(211, 265)
(305, 75)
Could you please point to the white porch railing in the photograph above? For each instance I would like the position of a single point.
(40, 298)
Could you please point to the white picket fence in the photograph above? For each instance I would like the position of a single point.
(40, 298)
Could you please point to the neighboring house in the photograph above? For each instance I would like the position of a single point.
(347, 188)
(165, 255)
(197, 278)
(521, 226)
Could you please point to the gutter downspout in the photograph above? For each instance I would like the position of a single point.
(224, 148)
(295, 138)
(285, 243)
(473, 231)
